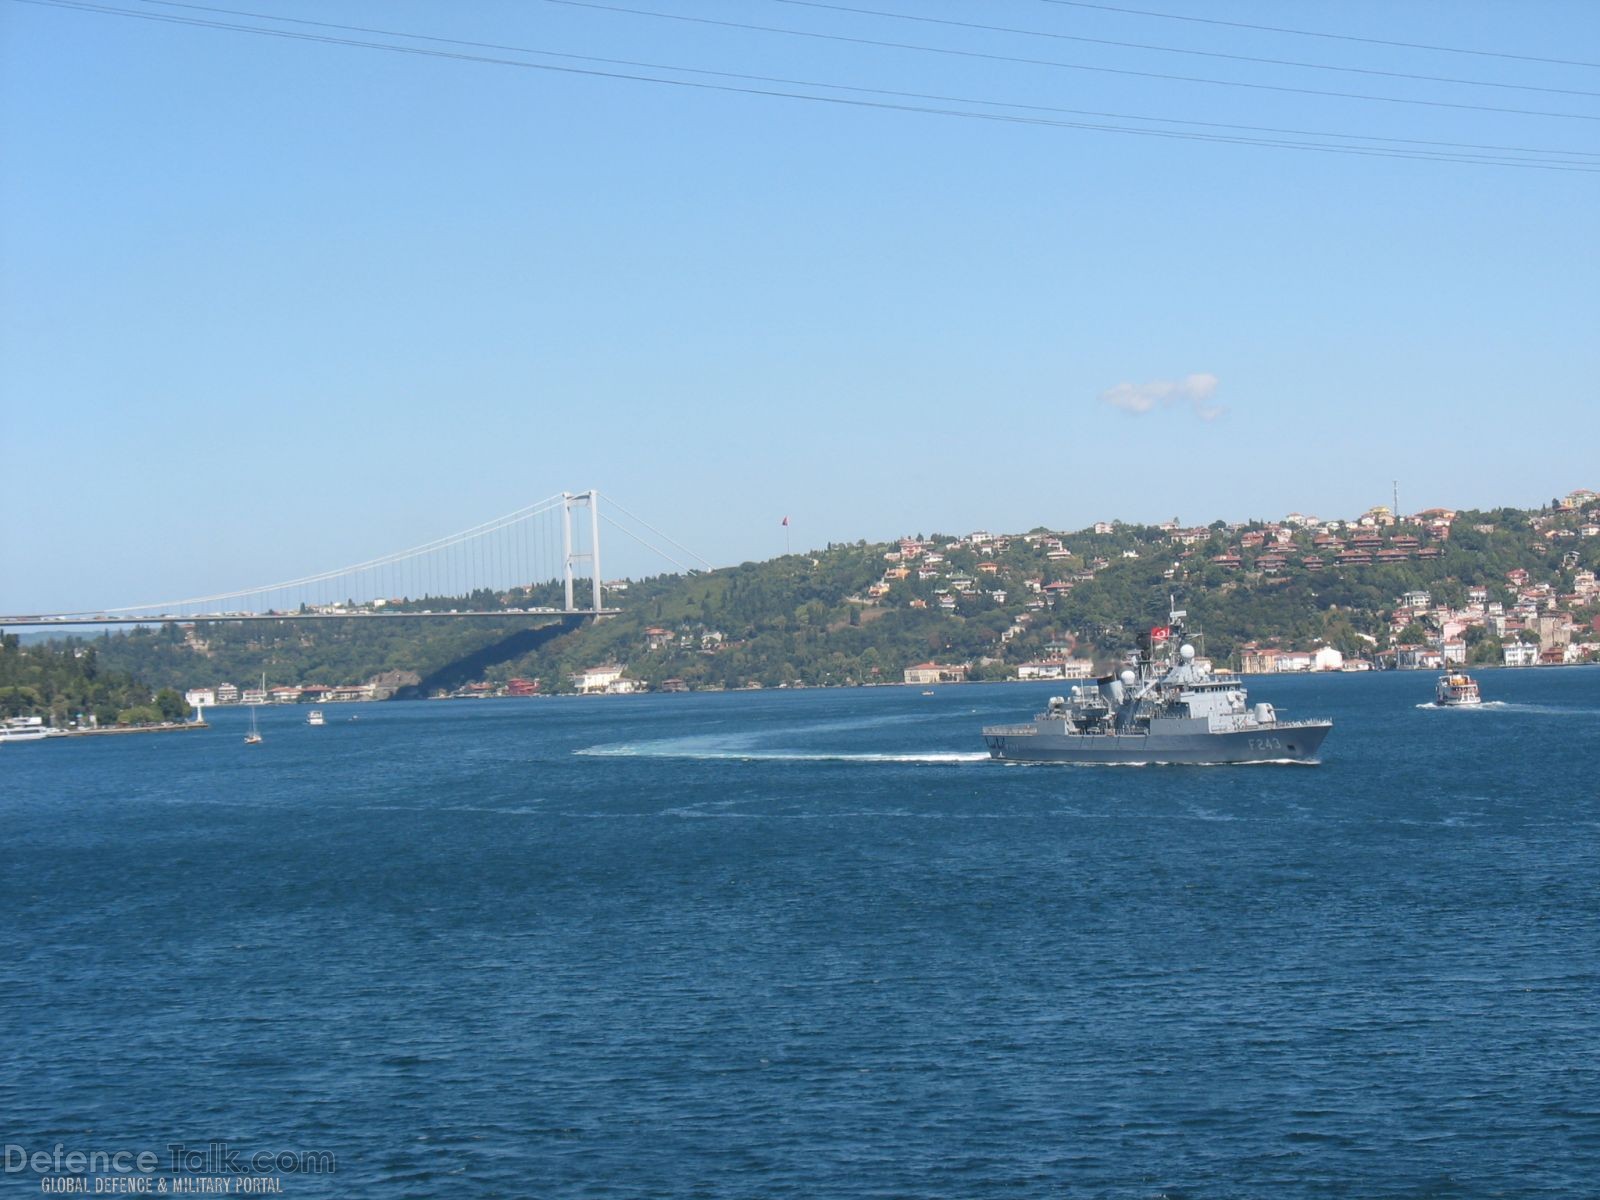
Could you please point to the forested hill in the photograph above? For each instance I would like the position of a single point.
(863, 612)
(64, 684)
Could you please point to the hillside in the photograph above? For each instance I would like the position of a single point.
(983, 605)
(862, 613)
(63, 684)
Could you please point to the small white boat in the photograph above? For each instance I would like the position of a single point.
(24, 729)
(253, 738)
(314, 717)
(1456, 690)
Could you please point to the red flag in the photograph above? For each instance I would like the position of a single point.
(786, 520)
(1160, 633)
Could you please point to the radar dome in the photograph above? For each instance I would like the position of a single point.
(1187, 652)
(1128, 677)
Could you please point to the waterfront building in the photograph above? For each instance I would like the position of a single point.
(1520, 654)
(597, 679)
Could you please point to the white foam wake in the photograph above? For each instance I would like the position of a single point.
(667, 750)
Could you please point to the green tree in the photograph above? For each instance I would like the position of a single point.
(172, 706)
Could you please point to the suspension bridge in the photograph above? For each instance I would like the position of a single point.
(541, 561)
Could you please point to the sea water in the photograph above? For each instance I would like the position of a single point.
(813, 943)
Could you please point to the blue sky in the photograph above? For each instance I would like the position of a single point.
(269, 306)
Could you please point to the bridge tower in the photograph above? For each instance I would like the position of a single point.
(591, 501)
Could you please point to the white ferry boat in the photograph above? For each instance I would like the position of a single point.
(1456, 690)
(24, 729)
(314, 717)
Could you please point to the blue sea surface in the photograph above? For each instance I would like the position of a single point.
(813, 944)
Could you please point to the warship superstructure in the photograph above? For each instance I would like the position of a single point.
(1160, 707)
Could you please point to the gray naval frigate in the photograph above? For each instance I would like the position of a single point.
(1159, 708)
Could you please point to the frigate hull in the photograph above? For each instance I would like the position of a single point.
(1287, 742)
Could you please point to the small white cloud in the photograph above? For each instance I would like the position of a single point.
(1192, 391)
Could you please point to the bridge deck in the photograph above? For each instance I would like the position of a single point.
(36, 621)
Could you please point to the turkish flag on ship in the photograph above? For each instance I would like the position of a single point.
(1160, 633)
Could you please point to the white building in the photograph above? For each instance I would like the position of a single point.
(597, 679)
(1520, 654)
(1056, 668)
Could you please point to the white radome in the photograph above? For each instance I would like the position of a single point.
(1129, 678)
(1186, 652)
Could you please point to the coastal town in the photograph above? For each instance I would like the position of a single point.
(1542, 611)
(1515, 588)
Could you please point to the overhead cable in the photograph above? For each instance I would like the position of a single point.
(1094, 41)
(941, 98)
(1407, 152)
(1066, 66)
(1340, 37)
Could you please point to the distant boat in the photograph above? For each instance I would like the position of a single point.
(1456, 690)
(314, 717)
(24, 729)
(253, 738)
(929, 692)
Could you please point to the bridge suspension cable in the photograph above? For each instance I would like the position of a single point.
(524, 561)
(511, 564)
(549, 504)
(612, 502)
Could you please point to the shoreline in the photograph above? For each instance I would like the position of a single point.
(119, 730)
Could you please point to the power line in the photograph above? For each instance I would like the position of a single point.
(1115, 116)
(1277, 62)
(1341, 37)
(1066, 66)
(1363, 151)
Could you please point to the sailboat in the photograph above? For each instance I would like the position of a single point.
(253, 738)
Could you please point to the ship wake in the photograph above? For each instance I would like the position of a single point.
(686, 750)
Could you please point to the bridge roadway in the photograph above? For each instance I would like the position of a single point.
(505, 614)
